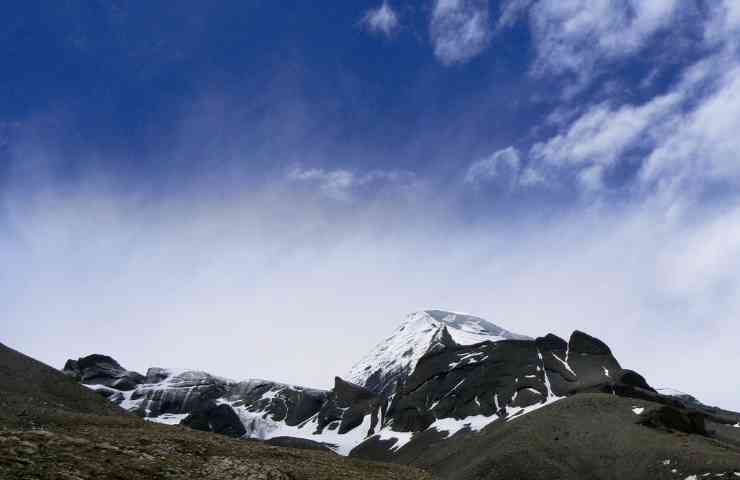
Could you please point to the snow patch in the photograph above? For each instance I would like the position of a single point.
(671, 392)
(519, 412)
(401, 438)
(168, 418)
(565, 363)
(259, 425)
(451, 426)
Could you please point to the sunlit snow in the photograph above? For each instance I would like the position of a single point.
(417, 334)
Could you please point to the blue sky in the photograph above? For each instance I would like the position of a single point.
(241, 179)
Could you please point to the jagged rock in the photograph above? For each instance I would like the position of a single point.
(390, 363)
(553, 351)
(102, 370)
(72, 369)
(674, 419)
(218, 419)
(180, 392)
(290, 404)
(591, 361)
(349, 404)
(635, 380)
(462, 381)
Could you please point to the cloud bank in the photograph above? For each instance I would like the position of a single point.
(242, 283)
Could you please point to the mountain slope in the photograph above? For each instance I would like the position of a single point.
(30, 389)
(584, 436)
(53, 428)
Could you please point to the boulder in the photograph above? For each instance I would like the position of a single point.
(675, 420)
(99, 369)
(217, 419)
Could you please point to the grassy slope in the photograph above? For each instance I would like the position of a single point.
(53, 428)
(588, 436)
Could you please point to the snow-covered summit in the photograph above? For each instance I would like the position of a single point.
(397, 356)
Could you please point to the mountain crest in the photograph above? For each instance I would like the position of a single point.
(393, 359)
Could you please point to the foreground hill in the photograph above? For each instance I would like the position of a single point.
(53, 428)
(586, 436)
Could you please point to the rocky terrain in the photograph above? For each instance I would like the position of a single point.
(455, 395)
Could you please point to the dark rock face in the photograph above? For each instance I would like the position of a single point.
(183, 393)
(217, 419)
(347, 406)
(487, 379)
(459, 382)
(592, 363)
(282, 403)
(674, 419)
(102, 370)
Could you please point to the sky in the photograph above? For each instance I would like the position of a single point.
(265, 189)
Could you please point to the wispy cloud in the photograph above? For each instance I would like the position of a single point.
(602, 133)
(575, 36)
(383, 20)
(684, 139)
(459, 30)
(512, 11)
(344, 184)
(503, 167)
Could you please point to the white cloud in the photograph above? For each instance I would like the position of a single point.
(504, 167)
(724, 22)
(459, 29)
(502, 162)
(686, 138)
(531, 177)
(512, 11)
(603, 133)
(343, 184)
(382, 20)
(336, 184)
(702, 144)
(573, 36)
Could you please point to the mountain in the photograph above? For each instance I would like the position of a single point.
(392, 360)
(455, 394)
(51, 427)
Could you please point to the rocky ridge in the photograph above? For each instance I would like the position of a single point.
(439, 372)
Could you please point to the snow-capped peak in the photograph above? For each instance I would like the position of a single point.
(397, 356)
